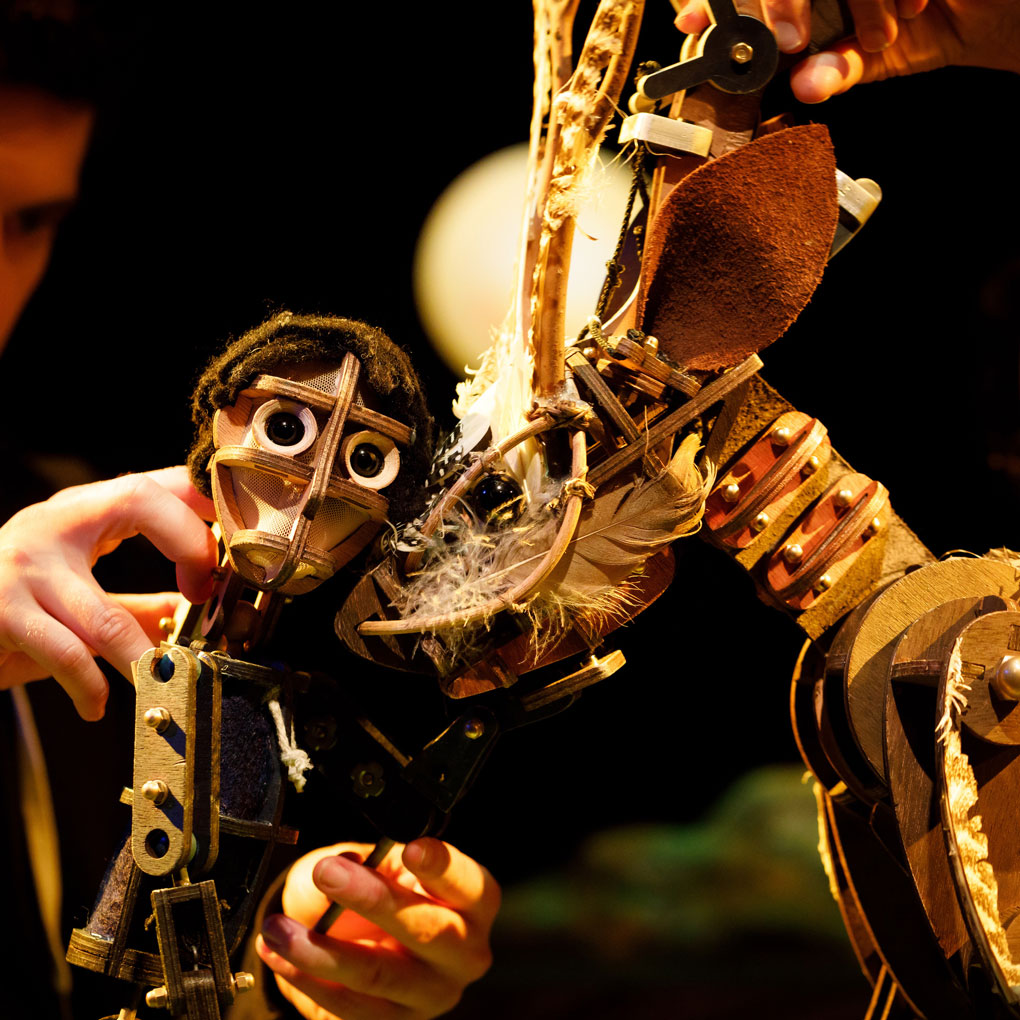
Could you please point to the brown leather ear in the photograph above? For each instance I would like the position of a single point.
(736, 250)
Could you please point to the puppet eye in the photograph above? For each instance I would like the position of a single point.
(372, 459)
(284, 427)
(498, 499)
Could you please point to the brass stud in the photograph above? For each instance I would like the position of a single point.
(741, 53)
(793, 554)
(474, 728)
(874, 527)
(761, 522)
(652, 345)
(155, 790)
(590, 353)
(812, 465)
(166, 624)
(824, 583)
(782, 436)
(157, 718)
(243, 981)
(844, 498)
(731, 493)
(156, 998)
(1006, 681)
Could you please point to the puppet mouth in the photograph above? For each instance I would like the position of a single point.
(258, 555)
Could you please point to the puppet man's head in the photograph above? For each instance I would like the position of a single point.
(312, 431)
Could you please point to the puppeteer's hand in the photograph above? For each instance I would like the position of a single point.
(893, 37)
(54, 617)
(415, 933)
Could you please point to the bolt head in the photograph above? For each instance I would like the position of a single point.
(761, 522)
(731, 493)
(243, 981)
(793, 554)
(844, 498)
(156, 998)
(473, 728)
(782, 436)
(155, 790)
(158, 718)
(741, 53)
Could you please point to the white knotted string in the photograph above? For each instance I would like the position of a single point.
(296, 760)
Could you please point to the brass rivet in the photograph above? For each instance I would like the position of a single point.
(782, 436)
(155, 790)
(844, 498)
(761, 522)
(652, 344)
(875, 526)
(793, 554)
(590, 353)
(812, 465)
(157, 718)
(741, 53)
(473, 728)
(824, 583)
(166, 624)
(156, 998)
(243, 981)
(731, 493)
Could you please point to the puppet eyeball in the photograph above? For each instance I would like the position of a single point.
(372, 460)
(284, 427)
(498, 499)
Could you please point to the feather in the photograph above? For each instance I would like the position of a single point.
(623, 527)
(470, 564)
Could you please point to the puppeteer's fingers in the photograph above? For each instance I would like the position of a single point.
(406, 915)
(150, 609)
(790, 21)
(693, 18)
(103, 624)
(370, 969)
(178, 481)
(63, 655)
(135, 504)
(17, 668)
(312, 997)
(875, 23)
(826, 74)
(453, 878)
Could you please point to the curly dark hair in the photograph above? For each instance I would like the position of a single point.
(292, 339)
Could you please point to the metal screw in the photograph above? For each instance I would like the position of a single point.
(156, 998)
(368, 780)
(793, 554)
(874, 527)
(761, 522)
(157, 718)
(155, 790)
(741, 53)
(473, 728)
(812, 465)
(824, 583)
(782, 436)
(731, 493)
(844, 498)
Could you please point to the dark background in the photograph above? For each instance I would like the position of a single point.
(260, 161)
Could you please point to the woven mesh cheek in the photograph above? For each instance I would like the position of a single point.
(267, 503)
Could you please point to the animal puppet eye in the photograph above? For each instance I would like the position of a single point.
(372, 460)
(284, 427)
(498, 499)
